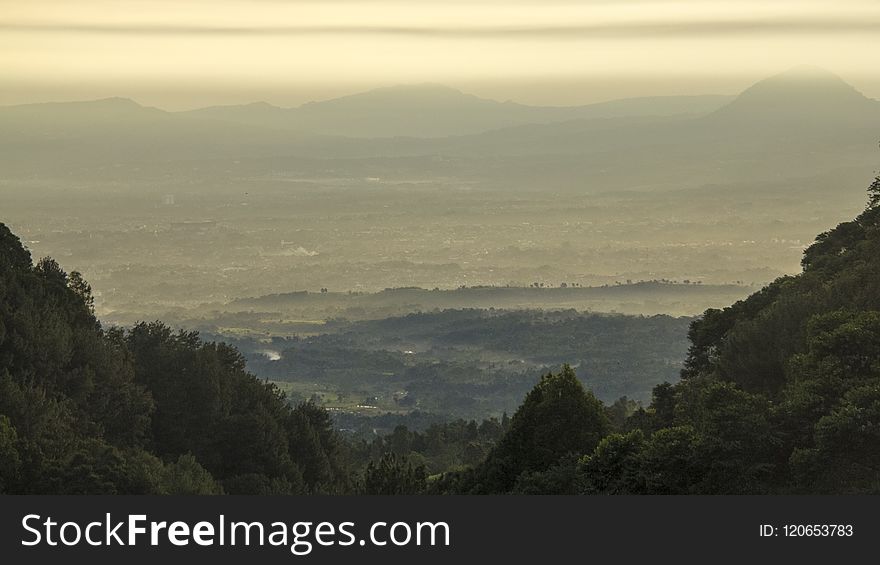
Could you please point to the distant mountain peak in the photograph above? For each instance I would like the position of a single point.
(418, 94)
(806, 78)
(262, 104)
(116, 105)
(112, 108)
(112, 102)
(117, 101)
(806, 93)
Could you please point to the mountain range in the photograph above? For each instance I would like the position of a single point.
(432, 110)
(795, 123)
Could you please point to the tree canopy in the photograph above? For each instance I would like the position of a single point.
(143, 410)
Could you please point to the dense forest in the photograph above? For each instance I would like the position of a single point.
(780, 394)
(465, 363)
(145, 410)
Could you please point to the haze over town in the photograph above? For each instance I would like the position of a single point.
(274, 171)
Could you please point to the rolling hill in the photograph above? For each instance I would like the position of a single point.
(430, 110)
(796, 124)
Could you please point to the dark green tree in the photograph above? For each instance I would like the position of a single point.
(393, 475)
(613, 468)
(557, 418)
(10, 461)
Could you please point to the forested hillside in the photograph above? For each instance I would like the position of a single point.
(147, 410)
(473, 363)
(780, 394)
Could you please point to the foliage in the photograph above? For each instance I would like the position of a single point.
(147, 410)
(470, 363)
(556, 419)
(393, 475)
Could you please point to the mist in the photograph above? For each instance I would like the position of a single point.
(359, 203)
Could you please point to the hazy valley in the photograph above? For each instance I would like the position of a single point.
(261, 225)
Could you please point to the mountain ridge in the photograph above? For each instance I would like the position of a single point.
(802, 95)
(615, 144)
(796, 94)
(431, 110)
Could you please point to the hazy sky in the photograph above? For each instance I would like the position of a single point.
(186, 53)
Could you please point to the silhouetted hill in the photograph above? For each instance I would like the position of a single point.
(802, 95)
(787, 127)
(73, 118)
(255, 113)
(432, 110)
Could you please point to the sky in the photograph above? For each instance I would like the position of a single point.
(180, 54)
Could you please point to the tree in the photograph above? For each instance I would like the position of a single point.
(874, 193)
(563, 477)
(734, 437)
(10, 461)
(13, 255)
(186, 476)
(846, 456)
(614, 465)
(670, 462)
(558, 417)
(82, 289)
(393, 475)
